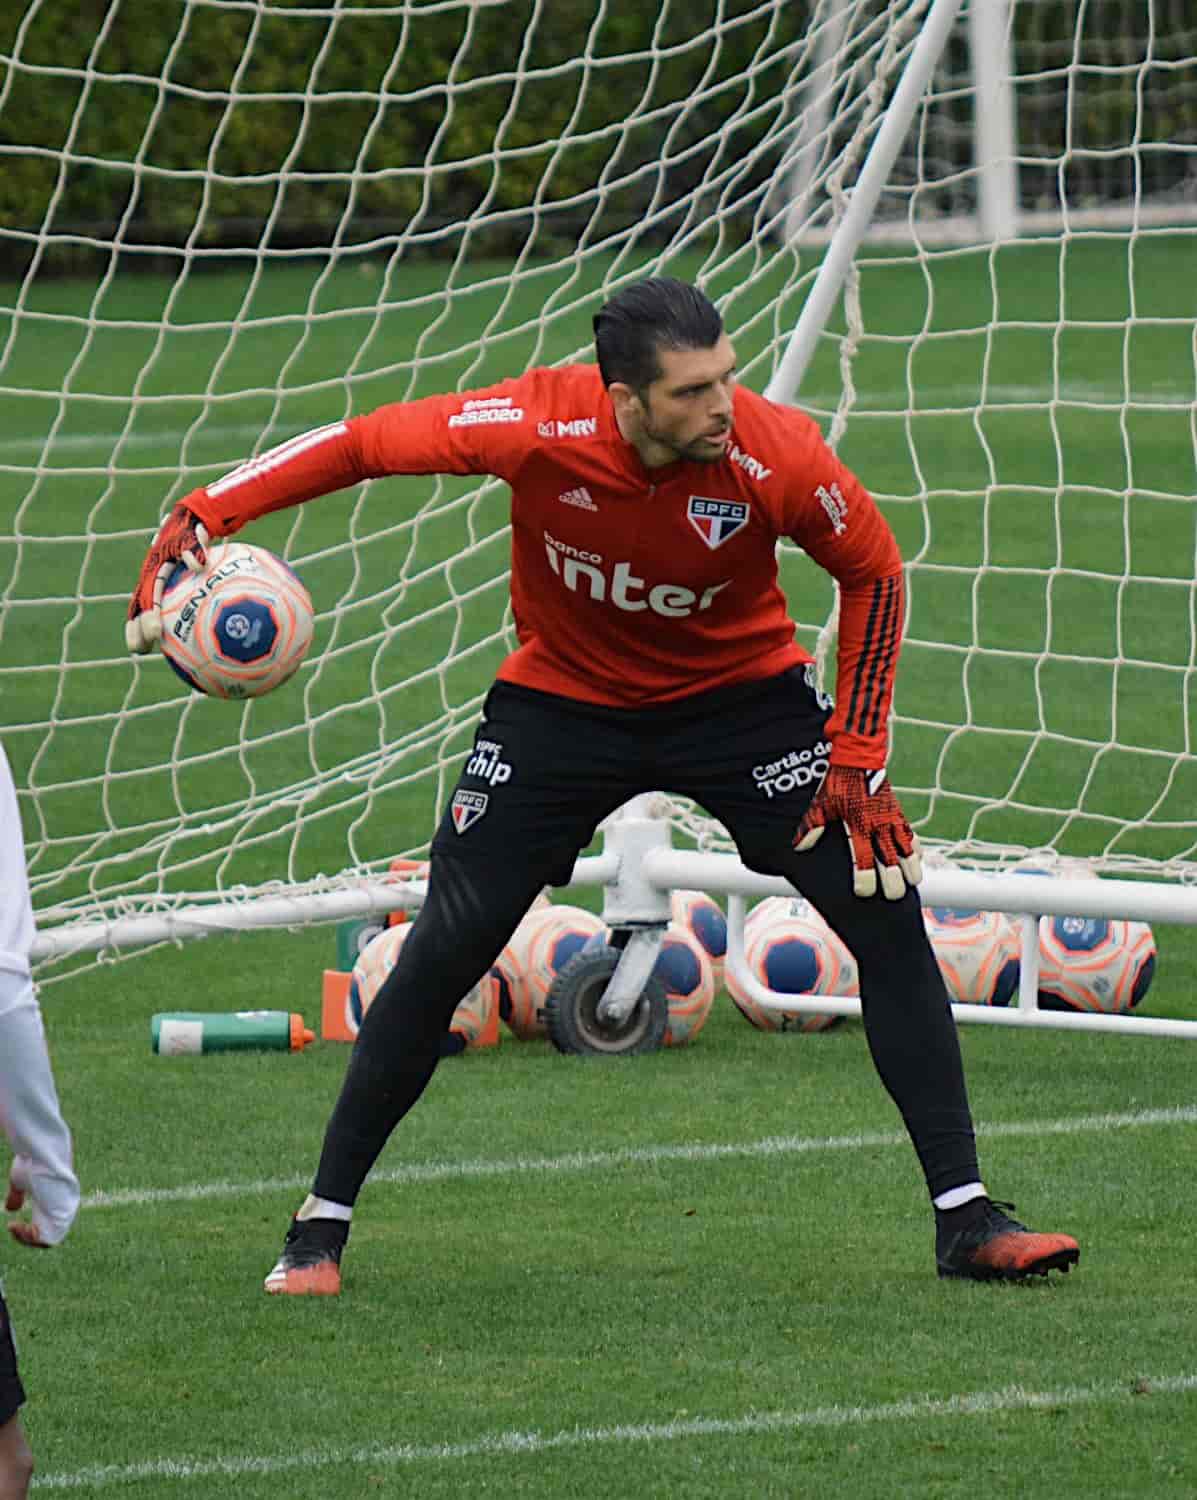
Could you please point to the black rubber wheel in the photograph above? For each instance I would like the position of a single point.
(571, 1010)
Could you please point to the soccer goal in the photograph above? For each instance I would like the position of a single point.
(959, 234)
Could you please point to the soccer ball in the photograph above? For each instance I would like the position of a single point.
(789, 947)
(241, 627)
(977, 952)
(543, 943)
(1094, 963)
(685, 969)
(376, 961)
(704, 918)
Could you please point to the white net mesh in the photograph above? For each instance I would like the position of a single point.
(222, 224)
(1042, 394)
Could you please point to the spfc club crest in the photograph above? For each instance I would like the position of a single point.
(716, 520)
(467, 808)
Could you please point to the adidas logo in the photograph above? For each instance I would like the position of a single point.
(581, 497)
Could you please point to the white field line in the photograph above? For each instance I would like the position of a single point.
(590, 1161)
(520, 1444)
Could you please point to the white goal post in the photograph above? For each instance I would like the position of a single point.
(957, 231)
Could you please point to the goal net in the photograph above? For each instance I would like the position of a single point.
(223, 224)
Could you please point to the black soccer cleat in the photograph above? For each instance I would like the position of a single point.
(991, 1246)
(310, 1264)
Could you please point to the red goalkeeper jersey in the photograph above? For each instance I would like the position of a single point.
(630, 585)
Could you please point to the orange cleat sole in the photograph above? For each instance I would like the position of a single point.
(1016, 1256)
(323, 1280)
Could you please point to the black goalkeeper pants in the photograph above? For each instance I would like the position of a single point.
(544, 772)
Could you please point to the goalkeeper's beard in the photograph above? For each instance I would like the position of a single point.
(715, 445)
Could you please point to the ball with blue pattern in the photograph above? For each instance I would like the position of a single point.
(245, 629)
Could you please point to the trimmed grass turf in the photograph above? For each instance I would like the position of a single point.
(650, 1291)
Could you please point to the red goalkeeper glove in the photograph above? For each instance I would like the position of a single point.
(878, 834)
(182, 538)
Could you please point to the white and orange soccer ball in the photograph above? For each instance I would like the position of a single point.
(241, 627)
(704, 917)
(788, 947)
(1094, 963)
(685, 969)
(473, 1016)
(543, 943)
(977, 953)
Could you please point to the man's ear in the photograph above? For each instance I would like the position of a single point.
(627, 404)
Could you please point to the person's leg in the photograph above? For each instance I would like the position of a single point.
(758, 777)
(914, 1046)
(904, 1007)
(470, 913)
(16, 1459)
(775, 756)
(542, 775)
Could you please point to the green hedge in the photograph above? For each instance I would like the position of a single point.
(381, 113)
(389, 119)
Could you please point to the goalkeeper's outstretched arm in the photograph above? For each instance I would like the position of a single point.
(410, 437)
(315, 463)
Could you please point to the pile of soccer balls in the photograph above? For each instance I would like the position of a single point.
(690, 966)
(1086, 964)
(1092, 964)
(1096, 964)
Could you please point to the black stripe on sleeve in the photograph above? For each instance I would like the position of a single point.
(878, 652)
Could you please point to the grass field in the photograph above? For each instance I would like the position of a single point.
(703, 1273)
(706, 1272)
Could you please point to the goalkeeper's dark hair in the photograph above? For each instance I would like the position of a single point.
(637, 323)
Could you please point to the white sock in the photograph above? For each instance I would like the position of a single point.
(324, 1208)
(957, 1197)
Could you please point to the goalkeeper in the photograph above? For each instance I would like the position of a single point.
(648, 494)
(41, 1166)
